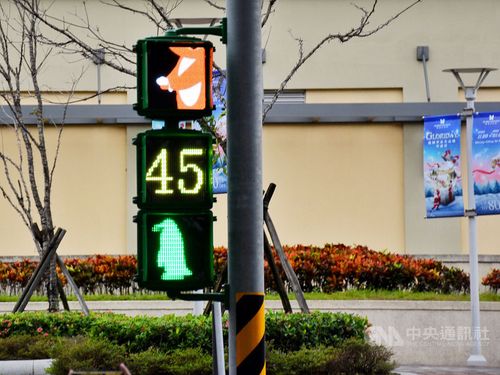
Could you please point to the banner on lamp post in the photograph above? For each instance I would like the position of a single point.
(442, 171)
(217, 125)
(486, 162)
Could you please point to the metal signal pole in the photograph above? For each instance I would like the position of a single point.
(245, 208)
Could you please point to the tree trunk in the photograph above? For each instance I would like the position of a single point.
(51, 277)
(52, 291)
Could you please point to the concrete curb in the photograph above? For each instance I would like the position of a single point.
(25, 367)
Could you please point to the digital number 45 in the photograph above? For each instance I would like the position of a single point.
(161, 164)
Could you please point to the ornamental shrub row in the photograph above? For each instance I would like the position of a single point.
(95, 274)
(284, 332)
(492, 280)
(338, 267)
(327, 269)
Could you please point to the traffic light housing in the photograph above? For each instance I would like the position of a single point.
(175, 250)
(175, 224)
(174, 170)
(174, 78)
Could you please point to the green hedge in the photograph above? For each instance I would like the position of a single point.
(93, 354)
(283, 331)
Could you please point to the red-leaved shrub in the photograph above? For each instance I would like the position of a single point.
(329, 268)
(492, 280)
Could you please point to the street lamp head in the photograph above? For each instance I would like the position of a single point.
(469, 70)
(470, 90)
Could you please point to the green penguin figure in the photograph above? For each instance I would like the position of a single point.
(171, 254)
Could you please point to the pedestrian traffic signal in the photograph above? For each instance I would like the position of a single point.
(174, 78)
(174, 170)
(175, 250)
(175, 224)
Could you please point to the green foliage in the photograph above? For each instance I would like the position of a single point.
(353, 357)
(289, 332)
(360, 357)
(87, 354)
(168, 332)
(283, 331)
(33, 323)
(178, 362)
(304, 361)
(28, 347)
(317, 343)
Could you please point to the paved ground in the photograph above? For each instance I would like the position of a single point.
(428, 370)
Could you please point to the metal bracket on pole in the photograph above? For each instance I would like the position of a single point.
(217, 297)
(220, 30)
(423, 55)
(467, 112)
(470, 213)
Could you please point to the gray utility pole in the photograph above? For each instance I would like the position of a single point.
(245, 208)
(476, 358)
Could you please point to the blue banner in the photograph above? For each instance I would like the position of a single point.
(217, 124)
(486, 162)
(442, 172)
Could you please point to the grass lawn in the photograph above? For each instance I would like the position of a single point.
(391, 295)
(349, 295)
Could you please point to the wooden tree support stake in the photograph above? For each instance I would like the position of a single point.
(289, 272)
(36, 278)
(45, 260)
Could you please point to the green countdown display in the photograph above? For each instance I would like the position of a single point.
(175, 250)
(174, 170)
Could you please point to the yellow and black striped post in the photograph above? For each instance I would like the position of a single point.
(250, 334)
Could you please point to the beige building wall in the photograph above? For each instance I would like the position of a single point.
(384, 60)
(89, 193)
(334, 184)
(394, 95)
(320, 197)
(351, 183)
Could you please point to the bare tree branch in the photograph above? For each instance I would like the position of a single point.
(90, 96)
(28, 177)
(268, 12)
(213, 4)
(360, 31)
(72, 40)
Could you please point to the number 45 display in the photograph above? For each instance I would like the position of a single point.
(174, 170)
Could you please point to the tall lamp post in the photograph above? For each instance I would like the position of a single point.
(475, 358)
